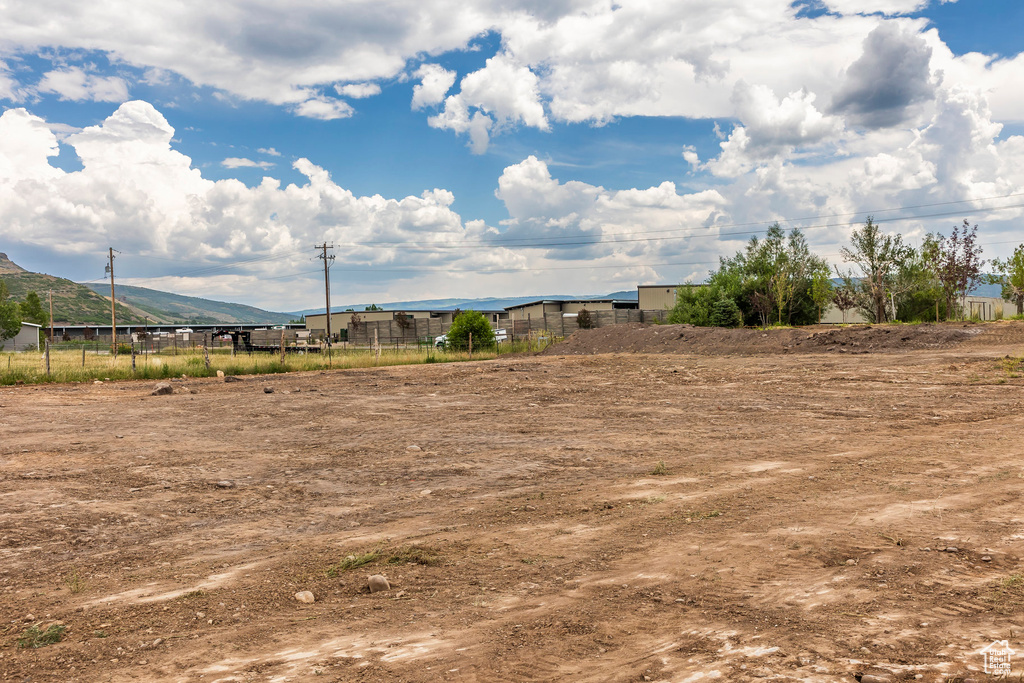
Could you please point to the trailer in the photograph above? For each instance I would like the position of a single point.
(241, 342)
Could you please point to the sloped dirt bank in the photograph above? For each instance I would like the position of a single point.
(637, 338)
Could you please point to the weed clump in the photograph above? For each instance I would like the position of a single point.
(659, 469)
(409, 554)
(35, 637)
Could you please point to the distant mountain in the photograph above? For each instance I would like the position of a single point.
(175, 308)
(72, 303)
(82, 304)
(484, 304)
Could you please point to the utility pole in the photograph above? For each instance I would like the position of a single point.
(113, 316)
(51, 316)
(327, 289)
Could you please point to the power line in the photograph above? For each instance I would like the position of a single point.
(582, 241)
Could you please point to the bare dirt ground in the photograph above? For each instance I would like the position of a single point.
(671, 516)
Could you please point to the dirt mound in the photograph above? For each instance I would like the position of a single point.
(638, 338)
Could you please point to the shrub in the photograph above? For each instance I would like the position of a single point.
(466, 323)
(725, 313)
(584, 320)
(34, 637)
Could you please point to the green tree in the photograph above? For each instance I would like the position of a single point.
(466, 323)
(770, 279)
(373, 307)
(879, 258)
(1010, 274)
(694, 303)
(725, 313)
(32, 310)
(821, 290)
(10, 315)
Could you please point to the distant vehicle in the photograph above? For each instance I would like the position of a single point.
(277, 327)
(439, 342)
(500, 335)
(183, 330)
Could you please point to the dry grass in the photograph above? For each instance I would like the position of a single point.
(29, 367)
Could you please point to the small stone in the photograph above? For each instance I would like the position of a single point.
(158, 642)
(268, 390)
(414, 447)
(96, 381)
(378, 583)
(232, 378)
(136, 490)
(851, 562)
(872, 678)
(986, 558)
(201, 615)
(305, 597)
(425, 492)
(220, 373)
(761, 673)
(952, 549)
(926, 550)
(162, 389)
(225, 484)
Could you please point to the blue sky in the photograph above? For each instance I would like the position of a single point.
(498, 149)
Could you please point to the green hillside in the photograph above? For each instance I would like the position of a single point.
(72, 303)
(76, 304)
(191, 309)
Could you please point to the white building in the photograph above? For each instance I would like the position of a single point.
(26, 339)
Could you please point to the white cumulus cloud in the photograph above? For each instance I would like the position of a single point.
(435, 82)
(241, 162)
(73, 83)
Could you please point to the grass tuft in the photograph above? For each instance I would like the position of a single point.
(34, 637)
(75, 582)
(407, 554)
(659, 469)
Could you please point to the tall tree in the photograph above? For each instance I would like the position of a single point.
(775, 271)
(32, 310)
(957, 264)
(10, 315)
(879, 258)
(1010, 274)
(821, 289)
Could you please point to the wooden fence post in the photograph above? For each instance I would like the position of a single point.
(47, 357)
(471, 346)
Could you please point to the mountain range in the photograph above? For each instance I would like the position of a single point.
(89, 303)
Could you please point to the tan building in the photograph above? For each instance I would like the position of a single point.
(657, 297)
(536, 310)
(316, 323)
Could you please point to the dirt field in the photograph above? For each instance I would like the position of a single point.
(766, 511)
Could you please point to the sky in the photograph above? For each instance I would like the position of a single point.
(493, 147)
